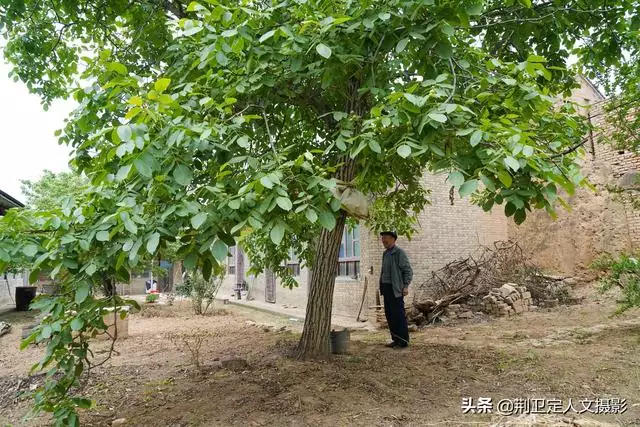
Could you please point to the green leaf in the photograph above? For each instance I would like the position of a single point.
(198, 220)
(207, 267)
(323, 50)
(194, 6)
(440, 118)
(277, 233)
(284, 203)
(152, 243)
(243, 141)
(335, 204)
(193, 30)
(266, 36)
(222, 59)
(450, 108)
(311, 215)
(375, 147)
(520, 216)
(404, 151)
(475, 9)
(133, 254)
(234, 204)
(124, 133)
(118, 68)
(77, 324)
(527, 150)
(384, 16)
(91, 269)
(536, 59)
(505, 178)
(30, 250)
(509, 209)
(229, 33)
(162, 84)
(456, 178)
(468, 187)
(46, 332)
(182, 174)
(464, 132)
(512, 163)
(488, 182)
(136, 100)
(418, 101)
(82, 293)
(130, 225)
(190, 261)
(102, 236)
(219, 250)
(526, 3)
(123, 172)
(142, 167)
(402, 45)
(266, 181)
(34, 275)
(83, 404)
(327, 220)
(447, 29)
(476, 137)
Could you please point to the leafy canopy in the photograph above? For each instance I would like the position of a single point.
(51, 190)
(201, 124)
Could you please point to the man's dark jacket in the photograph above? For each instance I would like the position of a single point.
(401, 272)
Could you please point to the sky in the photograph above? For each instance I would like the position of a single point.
(27, 142)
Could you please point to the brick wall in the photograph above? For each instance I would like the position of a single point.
(597, 222)
(446, 232)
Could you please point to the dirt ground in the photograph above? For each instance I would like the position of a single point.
(247, 376)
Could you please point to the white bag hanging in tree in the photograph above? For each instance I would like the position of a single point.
(353, 201)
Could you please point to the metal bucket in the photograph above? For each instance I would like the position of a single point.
(340, 341)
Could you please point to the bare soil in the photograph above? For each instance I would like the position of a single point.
(248, 377)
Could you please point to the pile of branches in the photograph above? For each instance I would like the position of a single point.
(475, 276)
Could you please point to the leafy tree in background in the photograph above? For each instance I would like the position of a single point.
(205, 123)
(50, 191)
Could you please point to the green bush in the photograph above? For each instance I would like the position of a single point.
(152, 298)
(202, 292)
(622, 271)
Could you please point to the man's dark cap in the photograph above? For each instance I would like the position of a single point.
(389, 233)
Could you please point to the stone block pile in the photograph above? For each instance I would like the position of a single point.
(507, 300)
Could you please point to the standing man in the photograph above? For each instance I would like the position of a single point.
(395, 278)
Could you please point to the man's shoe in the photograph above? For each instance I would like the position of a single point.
(392, 344)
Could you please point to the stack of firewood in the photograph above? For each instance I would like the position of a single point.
(459, 288)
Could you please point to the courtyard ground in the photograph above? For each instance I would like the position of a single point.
(247, 376)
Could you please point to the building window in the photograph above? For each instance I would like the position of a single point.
(293, 264)
(349, 255)
(231, 260)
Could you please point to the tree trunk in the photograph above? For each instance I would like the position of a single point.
(317, 322)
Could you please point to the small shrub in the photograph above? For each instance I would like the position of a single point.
(192, 343)
(171, 298)
(622, 271)
(202, 292)
(151, 298)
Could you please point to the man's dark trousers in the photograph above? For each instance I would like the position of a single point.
(396, 317)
